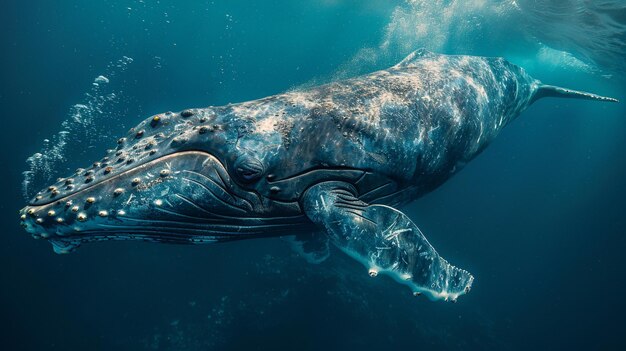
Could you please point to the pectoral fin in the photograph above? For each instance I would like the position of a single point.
(385, 240)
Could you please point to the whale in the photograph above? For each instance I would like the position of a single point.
(327, 166)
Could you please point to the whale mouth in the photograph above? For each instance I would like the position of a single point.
(184, 197)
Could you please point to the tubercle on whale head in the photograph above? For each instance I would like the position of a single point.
(167, 181)
(157, 136)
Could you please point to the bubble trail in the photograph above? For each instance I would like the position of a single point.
(84, 126)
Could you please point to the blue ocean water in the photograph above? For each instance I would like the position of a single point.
(539, 217)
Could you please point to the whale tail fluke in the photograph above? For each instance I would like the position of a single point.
(544, 90)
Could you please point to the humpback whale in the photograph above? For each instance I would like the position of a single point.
(329, 164)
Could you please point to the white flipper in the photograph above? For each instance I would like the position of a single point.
(385, 240)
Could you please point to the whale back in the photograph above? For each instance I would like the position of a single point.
(412, 125)
(408, 126)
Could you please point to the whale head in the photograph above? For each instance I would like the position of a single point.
(175, 178)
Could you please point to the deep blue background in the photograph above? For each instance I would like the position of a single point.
(539, 217)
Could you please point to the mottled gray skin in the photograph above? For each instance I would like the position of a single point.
(240, 171)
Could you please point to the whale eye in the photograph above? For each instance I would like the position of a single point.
(248, 168)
